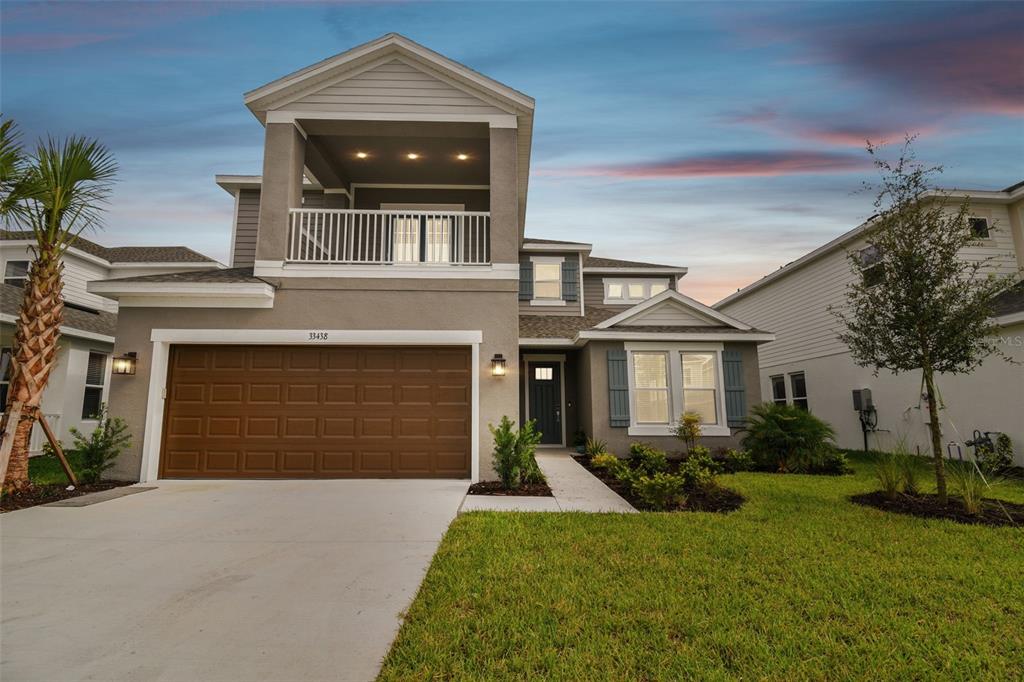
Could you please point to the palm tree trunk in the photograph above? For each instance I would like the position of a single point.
(935, 427)
(37, 331)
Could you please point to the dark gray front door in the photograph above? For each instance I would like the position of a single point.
(545, 393)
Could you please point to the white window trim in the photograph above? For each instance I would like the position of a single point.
(163, 339)
(626, 281)
(104, 387)
(16, 281)
(675, 397)
(990, 239)
(547, 260)
(771, 389)
(791, 396)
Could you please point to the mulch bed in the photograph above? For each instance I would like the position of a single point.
(43, 494)
(496, 488)
(928, 507)
(718, 499)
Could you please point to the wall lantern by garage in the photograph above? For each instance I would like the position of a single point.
(124, 364)
(499, 366)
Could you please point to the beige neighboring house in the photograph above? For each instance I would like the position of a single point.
(807, 365)
(384, 304)
(80, 380)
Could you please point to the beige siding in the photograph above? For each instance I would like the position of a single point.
(244, 249)
(795, 307)
(672, 314)
(394, 87)
(77, 272)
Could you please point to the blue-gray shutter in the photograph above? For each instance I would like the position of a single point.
(525, 280)
(735, 392)
(618, 389)
(570, 280)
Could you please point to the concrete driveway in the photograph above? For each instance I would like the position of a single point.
(218, 580)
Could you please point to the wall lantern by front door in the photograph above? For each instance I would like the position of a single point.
(124, 364)
(499, 366)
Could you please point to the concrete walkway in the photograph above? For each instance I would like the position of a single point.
(574, 489)
(218, 580)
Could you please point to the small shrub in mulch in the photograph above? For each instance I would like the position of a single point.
(44, 494)
(498, 488)
(714, 498)
(928, 507)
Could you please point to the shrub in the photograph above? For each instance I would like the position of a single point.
(697, 473)
(687, 429)
(102, 447)
(833, 462)
(649, 460)
(910, 474)
(661, 491)
(737, 460)
(970, 485)
(889, 474)
(604, 460)
(996, 458)
(788, 438)
(595, 446)
(514, 453)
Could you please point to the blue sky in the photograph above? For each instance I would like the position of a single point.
(727, 137)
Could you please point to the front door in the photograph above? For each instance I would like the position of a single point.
(545, 395)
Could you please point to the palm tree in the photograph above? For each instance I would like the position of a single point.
(65, 186)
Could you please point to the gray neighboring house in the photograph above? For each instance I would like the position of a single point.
(383, 304)
(808, 366)
(80, 381)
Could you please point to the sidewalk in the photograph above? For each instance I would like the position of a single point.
(573, 487)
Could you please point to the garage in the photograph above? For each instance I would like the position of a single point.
(317, 412)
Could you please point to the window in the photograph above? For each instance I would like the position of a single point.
(5, 376)
(544, 373)
(700, 385)
(632, 290)
(547, 279)
(798, 384)
(650, 371)
(16, 272)
(95, 374)
(979, 227)
(778, 389)
(871, 265)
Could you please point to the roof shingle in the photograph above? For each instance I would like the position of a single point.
(124, 254)
(96, 322)
(225, 276)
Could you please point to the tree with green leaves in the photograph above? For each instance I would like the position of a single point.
(56, 192)
(918, 302)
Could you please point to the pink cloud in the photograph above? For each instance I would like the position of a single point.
(827, 130)
(39, 42)
(727, 164)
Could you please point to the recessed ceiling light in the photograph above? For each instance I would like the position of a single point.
(412, 155)
(361, 155)
(462, 157)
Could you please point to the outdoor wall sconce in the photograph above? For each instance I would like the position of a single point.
(499, 366)
(124, 364)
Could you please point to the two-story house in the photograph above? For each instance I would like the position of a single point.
(384, 305)
(807, 365)
(80, 379)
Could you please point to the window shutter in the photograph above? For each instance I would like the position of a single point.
(570, 280)
(525, 280)
(735, 392)
(618, 389)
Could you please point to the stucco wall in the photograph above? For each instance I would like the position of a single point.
(593, 399)
(321, 304)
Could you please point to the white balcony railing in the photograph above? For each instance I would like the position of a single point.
(350, 237)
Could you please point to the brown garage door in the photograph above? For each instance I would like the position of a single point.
(317, 412)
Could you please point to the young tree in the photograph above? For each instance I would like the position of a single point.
(923, 305)
(61, 193)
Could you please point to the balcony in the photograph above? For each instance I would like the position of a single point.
(388, 237)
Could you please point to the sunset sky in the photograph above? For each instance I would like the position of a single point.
(726, 137)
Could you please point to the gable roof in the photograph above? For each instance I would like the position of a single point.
(76, 320)
(598, 264)
(674, 298)
(390, 44)
(122, 254)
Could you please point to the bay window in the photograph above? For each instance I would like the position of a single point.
(667, 379)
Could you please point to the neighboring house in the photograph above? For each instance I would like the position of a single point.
(80, 379)
(384, 306)
(807, 365)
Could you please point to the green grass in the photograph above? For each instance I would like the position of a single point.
(799, 584)
(44, 470)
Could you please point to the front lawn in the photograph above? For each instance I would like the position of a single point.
(798, 584)
(46, 470)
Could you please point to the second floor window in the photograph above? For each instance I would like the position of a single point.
(632, 290)
(547, 279)
(871, 265)
(16, 272)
